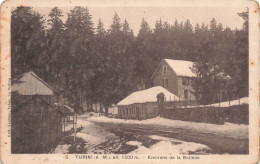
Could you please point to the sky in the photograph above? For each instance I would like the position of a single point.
(227, 16)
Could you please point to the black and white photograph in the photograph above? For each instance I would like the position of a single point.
(132, 80)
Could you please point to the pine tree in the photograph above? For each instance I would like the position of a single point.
(97, 83)
(240, 59)
(144, 29)
(126, 29)
(80, 56)
(144, 54)
(116, 25)
(100, 29)
(55, 45)
(28, 44)
(115, 72)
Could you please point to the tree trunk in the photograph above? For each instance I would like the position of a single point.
(106, 110)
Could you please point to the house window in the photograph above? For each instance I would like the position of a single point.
(185, 81)
(164, 70)
(186, 94)
(165, 83)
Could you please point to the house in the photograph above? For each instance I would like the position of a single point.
(143, 104)
(36, 122)
(175, 76)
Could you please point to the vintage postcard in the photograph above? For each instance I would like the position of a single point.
(120, 81)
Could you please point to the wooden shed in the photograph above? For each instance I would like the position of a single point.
(36, 122)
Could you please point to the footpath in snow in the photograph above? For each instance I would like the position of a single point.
(92, 134)
(228, 129)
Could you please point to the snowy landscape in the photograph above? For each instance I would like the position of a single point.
(129, 80)
(95, 136)
(102, 139)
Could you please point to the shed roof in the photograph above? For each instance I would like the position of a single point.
(147, 95)
(31, 84)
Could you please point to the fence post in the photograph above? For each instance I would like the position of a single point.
(170, 102)
(219, 99)
(74, 126)
(174, 101)
(189, 101)
(179, 101)
(165, 103)
(64, 124)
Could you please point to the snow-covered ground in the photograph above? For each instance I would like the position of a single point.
(91, 133)
(99, 139)
(244, 100)
(228, 129)
(62, 149)
(95, 136)
(167, 146)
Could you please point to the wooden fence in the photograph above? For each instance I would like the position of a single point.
(238, 114)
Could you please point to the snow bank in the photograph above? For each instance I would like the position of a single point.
(244, 100)
(228, 129)
(167, 146)
(89, 114)
(91, 133)
(134, 143)
(147, 95)
(83, 123)
(62, 149)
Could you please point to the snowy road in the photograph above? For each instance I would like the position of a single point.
(227, 138)
(95, 138)
(104, 137)
(218, 143)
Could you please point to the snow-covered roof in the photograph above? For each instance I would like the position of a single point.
(147, 95)
(181, 67)
(184, 68)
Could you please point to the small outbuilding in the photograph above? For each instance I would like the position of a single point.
(143, 104)
(36, 120)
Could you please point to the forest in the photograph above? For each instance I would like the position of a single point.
(90, 63)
